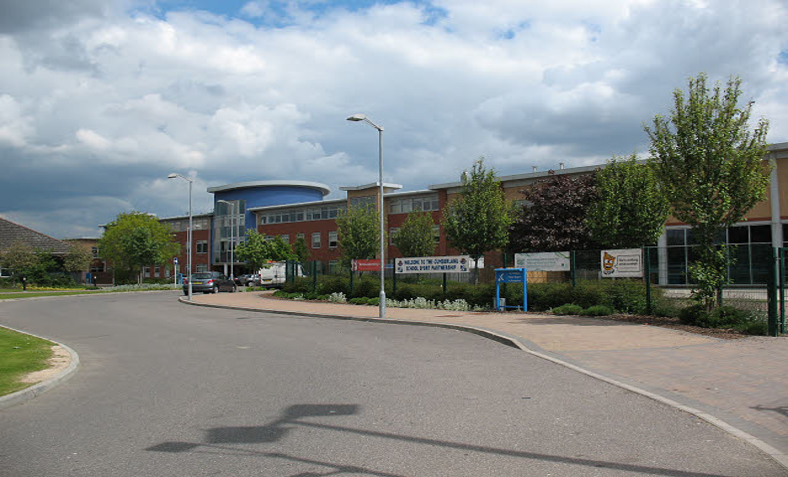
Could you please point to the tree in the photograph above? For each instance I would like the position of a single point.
(710, 166)
(77, 259)
(256, 251)
(358, 233)
(300, 250)
(478, 220)
(416, 238)
(553, 217)
(631, 209)
(135, 240)
(20, 258)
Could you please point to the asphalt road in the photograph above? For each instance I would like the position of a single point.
(166, 389)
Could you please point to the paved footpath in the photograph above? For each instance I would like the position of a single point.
(743, 382)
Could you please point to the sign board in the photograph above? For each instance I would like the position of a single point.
(626, 262)
(543, 262)
(454, 264)
(369, 265)
(175, 261)
(509, 275)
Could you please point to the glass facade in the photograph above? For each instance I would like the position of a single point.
(229, 228)
(301, 214)
(426, 203)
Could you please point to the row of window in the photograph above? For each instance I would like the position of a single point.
(284, 216)
(436, 233)
(182, 225)
(413, 204)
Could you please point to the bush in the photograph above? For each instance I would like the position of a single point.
(598, 310)
(337, 297)
(692, 315)
(374, 301)
(299, 285)
(568, 309)
(362, 300)
(281, 294)
(331, 284)
(367, 287)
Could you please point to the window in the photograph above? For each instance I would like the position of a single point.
(436, 233)
(269, 238)
(368, 201)
(316, 240)
(405, 205)
(202, 246)
(333, 267)
(147, 272)
(393, 231)
(202, 267)
(94, 252)
(301, 236)
(285, 238)
(332, 240)
(283, 216)
(157, 271)
(167, 272)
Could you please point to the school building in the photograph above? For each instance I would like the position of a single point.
(297, 209)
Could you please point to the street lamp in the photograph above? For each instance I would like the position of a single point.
(361, 117)
(189, 239)
(232, 235)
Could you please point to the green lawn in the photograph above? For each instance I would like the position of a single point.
(20, 354)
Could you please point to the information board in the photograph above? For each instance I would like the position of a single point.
(543, 261)
(367, 265)
(452, 264)
(626, 262)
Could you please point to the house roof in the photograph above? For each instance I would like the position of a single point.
(11, 233)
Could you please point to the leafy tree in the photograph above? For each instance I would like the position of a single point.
(19, 258)
(631, 208)
(553, 217)
(416, 238)
(77, 259)
(300, 250)
(478, 220)
(358, 233)
(256, 251)
(135, 240)
(711, 169)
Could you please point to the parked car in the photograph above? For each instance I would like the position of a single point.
(209, 282)
(274, 274)
(248, 279)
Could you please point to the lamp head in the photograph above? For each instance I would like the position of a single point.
(172, 176)
(357, 117)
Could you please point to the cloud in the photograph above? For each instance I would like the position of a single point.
(100, 101)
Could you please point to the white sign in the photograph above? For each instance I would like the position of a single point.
(543, 262)
(455, 264)
(626, 262)
(175, 261)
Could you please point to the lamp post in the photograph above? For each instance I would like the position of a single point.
(361, 117)
(232, 236)
(189, 239)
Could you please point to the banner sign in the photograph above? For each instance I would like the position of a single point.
(622, 263)
(455, 264)
(543, 262)
(370, 265)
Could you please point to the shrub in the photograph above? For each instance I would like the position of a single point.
(281, 294)
(330, 284)
(312, 296)
(337, 297)
(362, 300)
(598, 310)
(374, 301)
(568, 309)
(323, 297)
(299, 285)
(692, 315)
(367, 287)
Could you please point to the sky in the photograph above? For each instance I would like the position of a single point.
(101, 100)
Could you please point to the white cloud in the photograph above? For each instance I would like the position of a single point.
(104, 102)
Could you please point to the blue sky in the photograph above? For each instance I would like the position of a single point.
(100, 100)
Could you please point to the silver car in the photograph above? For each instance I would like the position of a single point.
(209, 282)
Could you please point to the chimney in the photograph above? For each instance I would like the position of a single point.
(561, 164)
(534, 167)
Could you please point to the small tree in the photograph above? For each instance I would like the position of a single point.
(77, 259)
(300, 250)
(631, 209)
(256, 251)
(135, 240)
(711, 168)
(358, 234)
(478, 220)
(416, 238)
(553, 217)
(20, 258)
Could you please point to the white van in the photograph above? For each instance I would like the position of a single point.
(274, 274)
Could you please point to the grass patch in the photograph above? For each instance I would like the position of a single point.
(20, 354)
(8, 296)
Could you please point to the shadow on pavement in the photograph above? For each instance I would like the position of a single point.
(217, 439)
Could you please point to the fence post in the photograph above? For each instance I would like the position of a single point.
(351, 282)
(314, 275)
(573, 268)
(647, 272)
(771, 293)
(395, 281)
(782, 290)
(444, 285)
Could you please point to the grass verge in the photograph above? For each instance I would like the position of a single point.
(20, 354)
(8, 296)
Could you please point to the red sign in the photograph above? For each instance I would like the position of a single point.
(371, 265)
